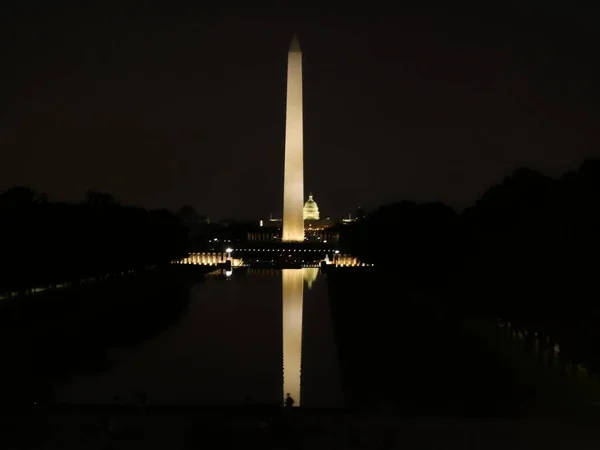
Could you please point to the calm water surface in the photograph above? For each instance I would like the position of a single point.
(255, 334)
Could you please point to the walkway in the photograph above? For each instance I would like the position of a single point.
(315, 430)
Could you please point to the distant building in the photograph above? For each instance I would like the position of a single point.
(349, 219)
(311, 210)
(317, 229)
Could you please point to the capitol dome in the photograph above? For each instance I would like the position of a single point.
(311, 210)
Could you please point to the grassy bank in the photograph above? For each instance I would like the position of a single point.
(559, 388)
(400, 348)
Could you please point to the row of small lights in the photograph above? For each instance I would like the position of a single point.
(229, 250)
(187, 261)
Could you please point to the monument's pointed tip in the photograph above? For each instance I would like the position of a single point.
(295, 45)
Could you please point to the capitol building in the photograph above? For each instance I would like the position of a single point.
(315, 228)
(311, 210)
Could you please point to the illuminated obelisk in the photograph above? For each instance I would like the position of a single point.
(293, 291)
(293, 176)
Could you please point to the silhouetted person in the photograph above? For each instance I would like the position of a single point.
(386, 443)
(354, 440)
(289, 401)
(111, 431)
(142, 398)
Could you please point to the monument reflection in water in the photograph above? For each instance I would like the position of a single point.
(293, 302)
(293, 296)
(293, 299)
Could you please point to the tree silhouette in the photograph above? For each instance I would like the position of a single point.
(44, 243)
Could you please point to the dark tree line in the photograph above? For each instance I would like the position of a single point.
(526, 253)
(535, 255)
(44, 243)
(416, 241)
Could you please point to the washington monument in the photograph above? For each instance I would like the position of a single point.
(293, 176)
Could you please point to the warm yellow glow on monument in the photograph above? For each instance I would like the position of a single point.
(293, 290)
(293, 177)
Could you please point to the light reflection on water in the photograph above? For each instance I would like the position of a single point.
(240, 331)
(293, 300)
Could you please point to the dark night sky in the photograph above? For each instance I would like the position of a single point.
(163, 108)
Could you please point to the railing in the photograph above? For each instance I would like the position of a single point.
(282, 250)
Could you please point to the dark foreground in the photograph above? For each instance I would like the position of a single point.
(162, 428)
